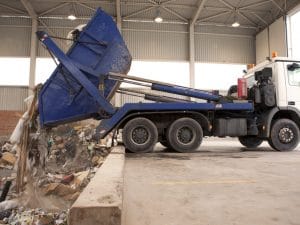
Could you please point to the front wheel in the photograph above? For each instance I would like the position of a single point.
(139, 135)
(185, 135)
(250, 141)
(284, 135)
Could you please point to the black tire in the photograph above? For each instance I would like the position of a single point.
(139, 135)
(271, 144)
(250, 141)
(185, 135)
(284, 135)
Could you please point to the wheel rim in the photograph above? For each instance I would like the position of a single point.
(286, 135)
(185, 135)
(140, 135)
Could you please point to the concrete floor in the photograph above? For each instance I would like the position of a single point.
(223, 183)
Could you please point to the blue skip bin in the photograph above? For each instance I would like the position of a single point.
(78, 88)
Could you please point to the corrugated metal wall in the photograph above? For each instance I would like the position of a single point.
(272, 38)
(146, 41)
(150, 41)
(157, 45)
(224, 48)
(262, 46)
(12, 98)
(15, 37)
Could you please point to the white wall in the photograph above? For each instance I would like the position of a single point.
(272, 38)
(262, 45)
(293, 24)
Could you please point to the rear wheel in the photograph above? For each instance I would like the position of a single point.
(250, 141)
(284, 135)
(140, 135)
(185, 135)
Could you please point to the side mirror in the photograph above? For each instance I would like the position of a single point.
(293, 66)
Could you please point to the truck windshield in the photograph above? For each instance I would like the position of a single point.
(294, 74)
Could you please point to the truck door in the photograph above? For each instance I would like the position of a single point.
(293, 84)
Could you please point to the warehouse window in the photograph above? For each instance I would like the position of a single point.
(211, 76)
(208, 75)
(170, 72)
(14, 71)
(294, 34)
(44, 68)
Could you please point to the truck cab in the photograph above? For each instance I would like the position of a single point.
(285, 77)
(274, 88)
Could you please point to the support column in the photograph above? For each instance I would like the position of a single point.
(119, 17)
(192, 55)
(33, 54)
(116, 101)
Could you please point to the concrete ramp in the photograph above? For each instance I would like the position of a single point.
(101, 201)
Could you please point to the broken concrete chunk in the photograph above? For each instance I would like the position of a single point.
(7, 147)
(8, 158)
(95, 160)
(58, 189)
(100, 161)
(58, 140)
(45, 220)
(61, 146)
(9, 204)
(50, 188)
(80, 178)
(72, 197)
(77, 128)
(63, 190)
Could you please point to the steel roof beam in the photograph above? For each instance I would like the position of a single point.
(86, 6)
(247, 18)
(254, 4)
(278, 6)
(139, 12)
(29, 9)
(227, 4)
(260, 18)
(214, 16)
(174, 13)
(53, 8)
(198, 11)
(12, 8)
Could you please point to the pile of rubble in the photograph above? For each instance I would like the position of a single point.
(21, 216)
(61, 163)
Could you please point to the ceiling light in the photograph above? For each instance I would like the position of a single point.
(72, 17)
(235, 24)
(158, 18)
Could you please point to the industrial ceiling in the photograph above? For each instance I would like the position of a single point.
(251, 14)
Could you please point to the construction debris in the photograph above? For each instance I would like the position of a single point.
(20, 216)
(8, 158)
(60, 163)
